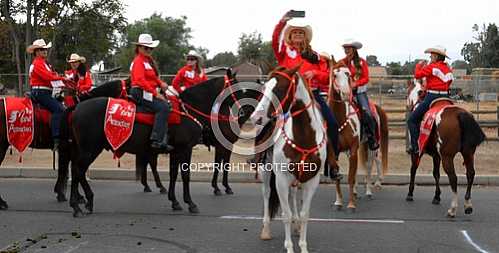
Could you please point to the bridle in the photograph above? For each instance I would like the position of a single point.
(290, 96)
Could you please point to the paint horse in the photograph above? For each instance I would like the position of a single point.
(350, 137)
(449, 130)
(299, 151)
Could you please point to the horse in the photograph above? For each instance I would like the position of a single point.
(300, 143)
(350, 136)
(224, 119)
(454, 131)
(42, 138)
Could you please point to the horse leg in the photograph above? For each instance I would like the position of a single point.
(448, 164)
(470, 175)
(265, 176)
(338, 203)
(370, 157)
(309, 189)
(74, 196)
(436, 175)
(62, 174)
(414, 167)
(295, 221)
(226, 168)
(83, 166)
(141, 161)
(3, 151)
(352, 173)
(174, 167)
(282, 184)
(217, 167)
(153, 162)
(379, 179)
(186, 178)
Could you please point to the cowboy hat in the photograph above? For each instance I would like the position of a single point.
(352, 43)
(195, 54)
(297, 25)
(145, 40)
(40, 43)
(76, 58)
(437, 50)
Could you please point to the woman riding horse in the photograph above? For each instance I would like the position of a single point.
(296, 50)
(79, 73)
(438, 79)
(41, 75)
(145, 80)
(360, 73)
(191, 74)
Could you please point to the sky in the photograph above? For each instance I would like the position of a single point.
(392, 30)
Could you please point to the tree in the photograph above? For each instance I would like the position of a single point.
(224, 59)
(484, 51)
(174, 44)
(372, 61)
(250, 47)
(394, 68)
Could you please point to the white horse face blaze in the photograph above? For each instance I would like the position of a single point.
(413, 96)
(342, 79)
(260, 115)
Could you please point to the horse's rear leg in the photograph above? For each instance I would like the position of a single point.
(62, 173)
(414, 168)
(448, 164)
(371, 155)
(153, 162)
(174, 167)
(186, 179)
(436, 175)
(469, 162)
(85, 158)
(3, 151)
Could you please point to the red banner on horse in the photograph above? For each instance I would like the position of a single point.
(118, 125)
(19, 121)
(428, 121)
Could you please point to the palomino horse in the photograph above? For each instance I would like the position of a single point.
(224, 117)
(340, 104)
(42, 138)
(454, 131)
(299, 151)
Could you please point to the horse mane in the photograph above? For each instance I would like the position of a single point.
(202, 91)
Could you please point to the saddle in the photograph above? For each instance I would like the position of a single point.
(436, 107)
(374, 112)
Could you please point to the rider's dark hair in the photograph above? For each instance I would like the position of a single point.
(440, 57)
(82, 70)
(356, 63)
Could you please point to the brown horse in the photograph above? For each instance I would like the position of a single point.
(455, 131)
(350, 142)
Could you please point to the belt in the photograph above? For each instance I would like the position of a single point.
(40, 88)
(362, 89)
(438, 92)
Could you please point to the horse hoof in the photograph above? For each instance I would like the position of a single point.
(78, 214)
(90, 208)
(229, 191)
(338, 207)
(370, 197)
(81, 200)
(265, 237)
(451, 214)
(193, 209)
(217, 192)
(468, 210)
(3, 205)
(61, 198)
(147, 189)
(177, 207)
(163, 190)
(409, 198)
(435, 201)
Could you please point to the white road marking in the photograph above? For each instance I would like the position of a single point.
(470, 241)
(243, 217)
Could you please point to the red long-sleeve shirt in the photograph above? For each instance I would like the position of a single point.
(83, 84)
(142, 74)
(41, 74)
(364, 76)
(438, 75)
(187, 76)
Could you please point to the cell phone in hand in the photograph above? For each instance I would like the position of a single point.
(296, 14)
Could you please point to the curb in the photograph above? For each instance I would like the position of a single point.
(234, 177)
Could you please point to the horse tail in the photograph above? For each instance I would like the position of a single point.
(383, 118)
(274, 197)
(471, 133)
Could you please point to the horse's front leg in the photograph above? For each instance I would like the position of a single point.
(185, 171)
(265, 176)
(174, 167)
(436, 176)
(414, 168)
(62, 174)
(153, 162)
(283, 183)
(352, 173)
(309, 190)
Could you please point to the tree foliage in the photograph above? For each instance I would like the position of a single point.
(483, 51)
(224, 59)
(372, 61)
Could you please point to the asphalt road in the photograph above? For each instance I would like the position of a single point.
(128, 220)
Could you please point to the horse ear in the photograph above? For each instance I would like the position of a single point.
(333, 61)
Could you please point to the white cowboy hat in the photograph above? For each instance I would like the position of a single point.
(145, 40)
(40, 43)
(352, 43)
(76, 58)
(297, 24)
(195, 54)
(437, 50)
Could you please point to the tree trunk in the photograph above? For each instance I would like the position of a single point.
(15, 38)
(29, 39)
